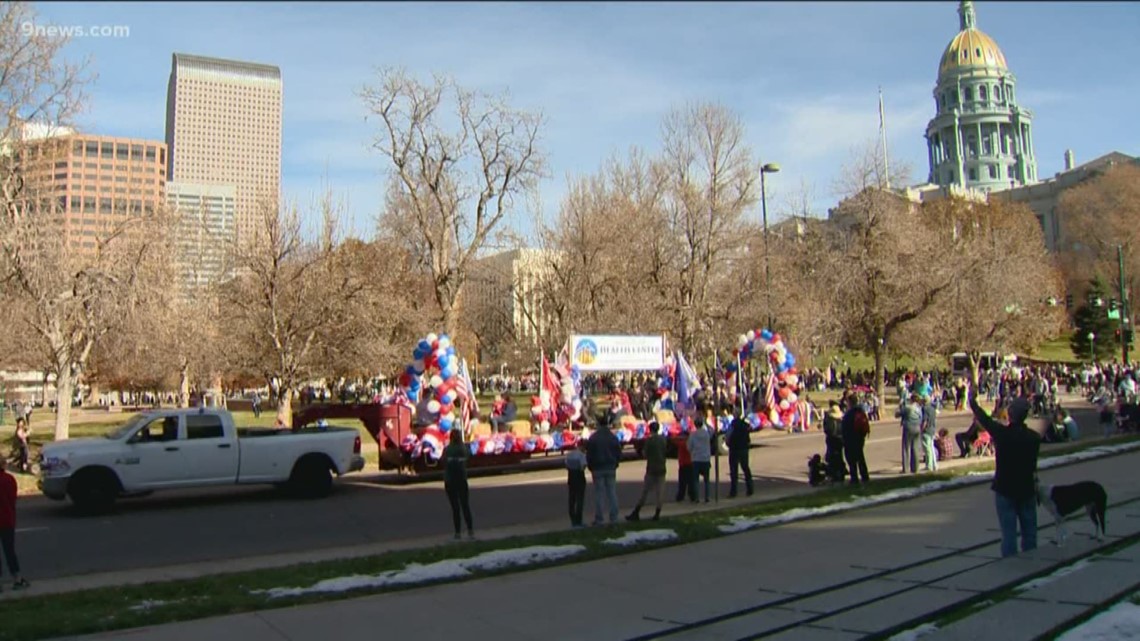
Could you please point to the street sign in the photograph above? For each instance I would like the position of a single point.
(1114, 314)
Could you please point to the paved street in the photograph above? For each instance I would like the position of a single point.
(193, 527)
(840, 577)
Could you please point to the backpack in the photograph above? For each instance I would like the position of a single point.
(862, 425)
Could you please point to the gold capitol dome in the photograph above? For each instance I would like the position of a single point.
(971, 50)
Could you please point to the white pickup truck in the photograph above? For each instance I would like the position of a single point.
(196, 447)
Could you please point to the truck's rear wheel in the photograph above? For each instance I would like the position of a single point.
(311, 478)
(93, 491)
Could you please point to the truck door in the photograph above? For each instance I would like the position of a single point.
(211, 456)
(154, 456)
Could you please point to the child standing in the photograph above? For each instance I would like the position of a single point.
(576, 482)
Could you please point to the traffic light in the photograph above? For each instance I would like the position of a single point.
(1068, 301)
(1128, 336)
(1112, 305)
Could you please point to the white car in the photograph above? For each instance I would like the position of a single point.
(193, 448)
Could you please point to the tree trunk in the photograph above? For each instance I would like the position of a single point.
(877, 350)
(451, 320)
(184, 386)
(285, 406)
(63, 389)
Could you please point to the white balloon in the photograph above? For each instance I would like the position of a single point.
(444, 343)
(792, 398)
(431, 338)
(436, 381)
(751, 335)
(433, 406)
(742, 340)
(577, 404)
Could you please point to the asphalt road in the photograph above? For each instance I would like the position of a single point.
(182, 527)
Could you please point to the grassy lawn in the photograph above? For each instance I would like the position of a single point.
(1056, 350)
(121, 607)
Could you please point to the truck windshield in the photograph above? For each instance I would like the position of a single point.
(128, 427)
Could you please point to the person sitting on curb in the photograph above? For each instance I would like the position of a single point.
(1015, 469)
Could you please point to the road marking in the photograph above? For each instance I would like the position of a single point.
(30, 529)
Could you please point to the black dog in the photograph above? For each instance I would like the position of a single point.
(1063, 500)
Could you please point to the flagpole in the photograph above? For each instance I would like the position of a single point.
(883, 134)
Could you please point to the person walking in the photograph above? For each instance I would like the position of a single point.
(855, 428)
(603, 454)
(739, 443)
(576, 482)
(930, 432)
(700, 448)
(1015, 469)
(654, 451)
(911, 415)
(455, 481)
(8, 527)
(22, 445)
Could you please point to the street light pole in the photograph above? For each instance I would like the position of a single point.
(1125, 321)
(769, 168)
(1092, 348)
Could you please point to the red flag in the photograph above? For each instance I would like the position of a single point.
(550, 381)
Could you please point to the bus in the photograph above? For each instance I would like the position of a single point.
(960, 362)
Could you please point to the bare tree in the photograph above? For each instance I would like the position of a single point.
(453, 185)
(1097, 217)
(293, 302)
(1006, 285)
(710, 176)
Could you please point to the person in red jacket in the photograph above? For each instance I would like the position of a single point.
(686, 484)
(8, 526)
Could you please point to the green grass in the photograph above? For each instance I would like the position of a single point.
(111, 608)
(1056, 350)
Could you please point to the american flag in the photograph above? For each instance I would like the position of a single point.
(465, 390)
(770, 392)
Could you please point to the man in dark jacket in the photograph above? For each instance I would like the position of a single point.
(833, 440)
(603, 454)
(654, 451)
(855, 427)
(1016, 447)
(739, 442)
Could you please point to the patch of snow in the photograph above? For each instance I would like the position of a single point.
(147, 604)
(1050, 578)
(1120, 622)
(915, 633)
(642, 536)
(415, 573)
(741, 523)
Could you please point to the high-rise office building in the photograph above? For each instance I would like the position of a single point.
(223, 127)
(96, 182)
(205, 225)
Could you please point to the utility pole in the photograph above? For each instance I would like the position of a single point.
(1125, 321)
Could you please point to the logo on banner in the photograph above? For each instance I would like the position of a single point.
(586, 352)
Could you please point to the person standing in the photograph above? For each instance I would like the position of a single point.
(700, 448)
(576, 482)
(930, 432)
(455, 481)
(603, 454)
(855, 428)
(255, 404)
(833, 440)
(685, 483)
(739, 443)
(8, 526)
(1015, 468)
(911, 415)
(22, 444)
(654, 451)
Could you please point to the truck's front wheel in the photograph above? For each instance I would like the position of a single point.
(93, 491)
(311, 478)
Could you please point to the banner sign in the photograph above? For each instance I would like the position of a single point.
(617, 353)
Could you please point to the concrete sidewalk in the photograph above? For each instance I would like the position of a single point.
(845, 576)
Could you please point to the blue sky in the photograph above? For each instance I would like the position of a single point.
(803, 76)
